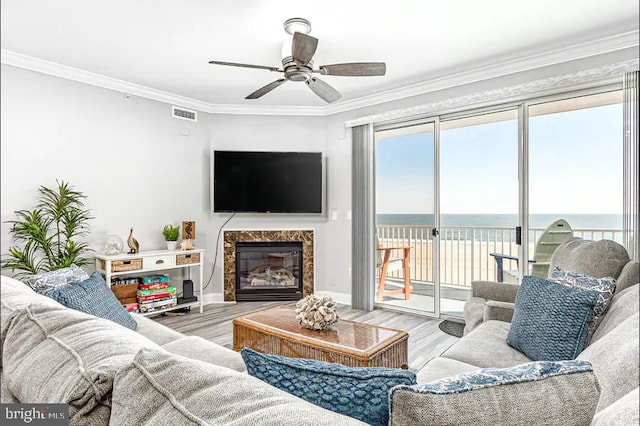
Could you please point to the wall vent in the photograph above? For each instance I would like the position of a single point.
(184, 114)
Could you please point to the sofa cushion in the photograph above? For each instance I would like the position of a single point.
(16, 295)
(629, 276)
(624, 411)
(93, 296)
(473, 313)
(52, 280)
(623, 305)
(540, 393)
(551, 320)
(605, 287)
(486, 346)
(615, 361)
(357, 392)
(155, 331)
(603, 258)
(159, 388)
(58, 355)
(441, 367)
(195, 347)
(6, 397)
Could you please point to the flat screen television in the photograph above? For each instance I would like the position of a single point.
(268, 182)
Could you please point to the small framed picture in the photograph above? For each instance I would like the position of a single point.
(188, 230)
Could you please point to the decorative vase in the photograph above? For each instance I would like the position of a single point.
(172, 245)
(113, 245)
(317, 313)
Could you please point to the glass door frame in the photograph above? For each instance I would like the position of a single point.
(522, 160)
(435, 121)
(523, 170)
(522, 105)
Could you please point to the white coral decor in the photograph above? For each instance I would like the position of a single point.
(317, 313)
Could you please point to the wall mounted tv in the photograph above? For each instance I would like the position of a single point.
(268, 182)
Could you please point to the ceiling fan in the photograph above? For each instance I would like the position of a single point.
(297, 64)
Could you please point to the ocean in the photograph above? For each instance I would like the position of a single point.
(576, 221)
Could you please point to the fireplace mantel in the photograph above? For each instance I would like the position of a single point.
(270, 235)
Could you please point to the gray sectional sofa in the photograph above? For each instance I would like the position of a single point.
(155, 375)
(613, 350)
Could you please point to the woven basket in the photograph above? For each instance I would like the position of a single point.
(126, 265)
(125, 292)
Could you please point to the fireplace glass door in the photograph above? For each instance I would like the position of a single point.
(268, 270)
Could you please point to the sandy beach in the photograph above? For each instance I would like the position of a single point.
(460, 261)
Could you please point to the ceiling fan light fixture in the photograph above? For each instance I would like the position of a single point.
(299, 25)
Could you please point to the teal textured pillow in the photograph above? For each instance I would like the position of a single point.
(93, 296)
(358, 392)
(550, 321)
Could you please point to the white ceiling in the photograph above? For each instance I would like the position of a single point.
(166, 45)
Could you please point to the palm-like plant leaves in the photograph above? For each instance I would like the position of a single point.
(49, 233)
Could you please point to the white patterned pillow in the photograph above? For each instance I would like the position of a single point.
(605, 287)
(53, 280)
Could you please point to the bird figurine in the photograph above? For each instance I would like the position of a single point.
(132, 243)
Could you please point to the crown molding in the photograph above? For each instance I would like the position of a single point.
(608, 74)
(267, 110)
(579, 51)
(75, 74)
(552, 57)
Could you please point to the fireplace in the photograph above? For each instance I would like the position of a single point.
(268, 270)
(232, 238)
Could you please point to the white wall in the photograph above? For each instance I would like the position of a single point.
(131, 161)
(127, 157)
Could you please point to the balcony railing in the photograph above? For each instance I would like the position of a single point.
(464, 250)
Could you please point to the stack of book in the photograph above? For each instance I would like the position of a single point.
(155, 293)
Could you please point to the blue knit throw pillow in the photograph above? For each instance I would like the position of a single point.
(358, 392)
(550, 321)
(93, 296)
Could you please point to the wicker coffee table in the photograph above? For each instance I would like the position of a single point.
(355, 344)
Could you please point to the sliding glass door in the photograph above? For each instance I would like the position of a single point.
(575, 172)
(479, 203)
(466, 196)
(406, 241)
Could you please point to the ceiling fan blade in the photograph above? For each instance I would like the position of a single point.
(266, 89)
(355, 69)
(235, 64)
(324, 90)
(303, 48)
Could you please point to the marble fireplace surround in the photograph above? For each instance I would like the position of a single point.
(232, 237)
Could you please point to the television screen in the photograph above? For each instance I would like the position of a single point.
(267, 182)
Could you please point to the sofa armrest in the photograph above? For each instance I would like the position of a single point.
(491, 290)
(500, 311)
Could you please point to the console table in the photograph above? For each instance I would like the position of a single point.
(153, 261)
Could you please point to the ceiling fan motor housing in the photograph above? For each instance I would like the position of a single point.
(295, 72)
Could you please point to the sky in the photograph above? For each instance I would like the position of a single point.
(575, 167)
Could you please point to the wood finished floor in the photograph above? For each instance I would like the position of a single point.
(426, 341)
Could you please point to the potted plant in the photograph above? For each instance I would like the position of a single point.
(171, 234)
(49, 236)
